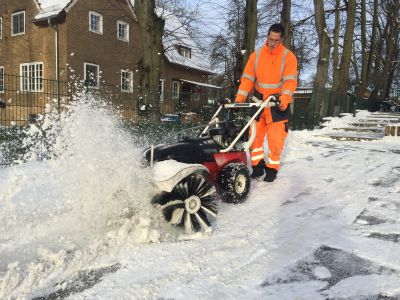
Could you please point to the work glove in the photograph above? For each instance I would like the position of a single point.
(283, 102)
(224, 101)
(228, 101)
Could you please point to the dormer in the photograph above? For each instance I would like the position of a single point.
(184, 51)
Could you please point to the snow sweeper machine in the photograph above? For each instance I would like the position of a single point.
(195, 172)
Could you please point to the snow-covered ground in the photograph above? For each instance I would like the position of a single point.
(81, 225)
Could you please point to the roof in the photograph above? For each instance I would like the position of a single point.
(176, 35)
(51, 8)
(202, 84)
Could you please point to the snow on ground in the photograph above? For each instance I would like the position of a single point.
(81, 225)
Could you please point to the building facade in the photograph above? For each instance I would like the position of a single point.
(97, 42)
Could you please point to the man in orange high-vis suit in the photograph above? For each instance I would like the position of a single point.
(271, 69)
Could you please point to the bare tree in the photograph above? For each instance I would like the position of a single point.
(341, 78)
(227, 45)
(324, 42)
(324, 47)
(336, 32)
(286, 21)
(249, 34)
(250, 29)
(386, 66)
(364, 54)
(372, 48)
(151, 28)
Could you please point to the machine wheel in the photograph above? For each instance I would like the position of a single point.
(234, 183)
(189, 204)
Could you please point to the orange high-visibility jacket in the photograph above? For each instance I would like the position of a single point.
(269, 72)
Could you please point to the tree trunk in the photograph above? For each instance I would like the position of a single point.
(381, 80)
(329, 99)
(249, 38)
(250, 29)
(151, 28)
(324, 45)
(372, 51)
(353, 61)
(286, 22)
(362, 85)
(341, 82)
(238, 29)
(393, 70)
(320, 100)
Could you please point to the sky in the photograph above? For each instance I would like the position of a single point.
(81, 224)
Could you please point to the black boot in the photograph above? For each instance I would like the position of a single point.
(270, 174)
(258, 170)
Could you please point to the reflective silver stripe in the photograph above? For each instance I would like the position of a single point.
(274, 162)
(242, 92)
(290, 77)
(283, 61)
(287, 92)
(249, 77)
(270, 85)
(256, 61)
(257, 157)
(257, 149)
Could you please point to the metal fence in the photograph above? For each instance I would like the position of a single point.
(20, 106)
(327, 103)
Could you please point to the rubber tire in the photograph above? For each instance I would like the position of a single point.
(226, 183)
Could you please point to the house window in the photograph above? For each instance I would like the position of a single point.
(18, 23)
(161, 89)
(95, 22)
(1, 28)
(186, 52)
(123, 31)
(1, 79)
(91, 74)
(175, 89)
(32, 77)
(126, 81)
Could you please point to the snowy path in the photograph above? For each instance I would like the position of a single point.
(328, 228)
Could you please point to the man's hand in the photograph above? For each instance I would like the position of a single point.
(283, 103)
(224, 101)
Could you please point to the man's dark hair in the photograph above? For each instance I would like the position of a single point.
(278, 27)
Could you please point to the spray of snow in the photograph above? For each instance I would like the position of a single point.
(77, 192)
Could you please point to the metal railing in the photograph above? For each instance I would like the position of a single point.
(20, 107)
(328, 103)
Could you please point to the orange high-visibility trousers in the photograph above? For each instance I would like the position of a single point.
(276, 134)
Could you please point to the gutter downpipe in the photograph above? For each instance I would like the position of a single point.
(57, 64)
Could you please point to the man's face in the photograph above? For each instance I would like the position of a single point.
(274, 40)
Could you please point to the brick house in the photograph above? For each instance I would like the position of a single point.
(93, 40)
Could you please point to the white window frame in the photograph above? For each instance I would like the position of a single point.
(130, 82)
(1, 28)
(176, 88)
(12, 23)
(1, 79)
(186, 52)
(125, 38)
(31, 77)
(97, 82)
(162, 88)
(100, 23)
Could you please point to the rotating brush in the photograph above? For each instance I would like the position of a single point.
(190, 203)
